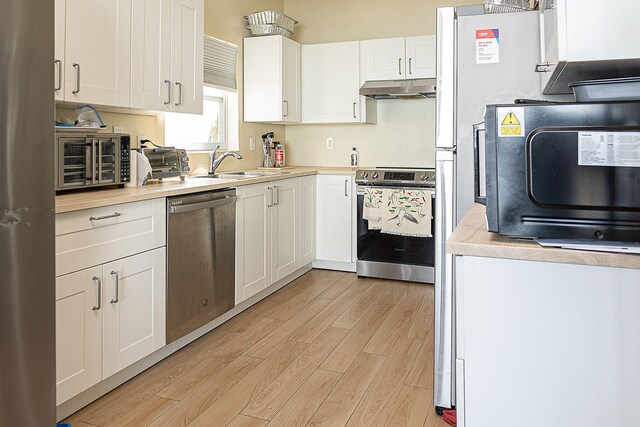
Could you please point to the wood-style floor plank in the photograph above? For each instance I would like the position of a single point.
(409, 409)
(348, 350)
(376, 405)
(393, 326)
(263, 348)
(266, 404)
(301, 407)
(329, 349)
(340, 404)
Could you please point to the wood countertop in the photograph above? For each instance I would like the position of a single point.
(79, 200)
(471, 238)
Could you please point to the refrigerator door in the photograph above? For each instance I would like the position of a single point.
(480, 84)
(444, 372)
(445, 80)
(27, 153)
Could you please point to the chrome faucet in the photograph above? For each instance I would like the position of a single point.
(215, 162)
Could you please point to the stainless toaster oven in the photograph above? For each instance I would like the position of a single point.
(167, 162)
(92, 160)
(563, 171)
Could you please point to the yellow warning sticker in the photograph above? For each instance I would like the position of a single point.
(511, 122)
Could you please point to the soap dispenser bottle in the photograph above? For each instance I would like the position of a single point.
(354, 158)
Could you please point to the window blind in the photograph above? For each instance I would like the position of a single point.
(220, 59)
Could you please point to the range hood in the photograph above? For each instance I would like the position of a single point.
(393, 89)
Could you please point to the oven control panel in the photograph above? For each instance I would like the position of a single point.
(405, 177)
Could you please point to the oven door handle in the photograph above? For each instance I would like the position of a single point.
(477, 128)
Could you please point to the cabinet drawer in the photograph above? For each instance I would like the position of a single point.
(95, 236)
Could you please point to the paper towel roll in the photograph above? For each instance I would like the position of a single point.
(143, 169)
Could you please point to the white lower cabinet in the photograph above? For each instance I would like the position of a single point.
(108, 317)
(335, 214)
(274, 232)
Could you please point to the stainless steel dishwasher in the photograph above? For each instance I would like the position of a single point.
(201, 231)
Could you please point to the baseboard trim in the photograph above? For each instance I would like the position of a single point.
(105, 386)
(333, 265)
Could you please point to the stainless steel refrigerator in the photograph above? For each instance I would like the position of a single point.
(481, 59)
(27, 287)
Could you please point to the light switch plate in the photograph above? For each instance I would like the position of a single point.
(330, 143)
(252, 144)
(117, 129)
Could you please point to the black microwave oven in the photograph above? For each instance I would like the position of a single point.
(562, 171)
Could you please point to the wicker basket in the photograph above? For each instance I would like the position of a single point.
(504, 6)
(271, 17)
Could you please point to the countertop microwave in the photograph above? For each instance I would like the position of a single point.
(563, 171)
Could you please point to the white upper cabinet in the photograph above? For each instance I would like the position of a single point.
(331, 83)
(58, 56)
(382, 59)
(272, 80)
(587, 40)
(187, 47)
(398, 58)
(97, 64)
(420, 57)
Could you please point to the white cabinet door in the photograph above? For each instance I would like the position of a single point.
(151, 55)
(58, 56)
(187, 38)
(284, 228)
(291, 84)
(253, 240)
(331, 83)
(421, 57)
(382, 59)
(79, 311)
(98, 51)
(134, 309)
(307, 215)
(334, 218)
(271, 93)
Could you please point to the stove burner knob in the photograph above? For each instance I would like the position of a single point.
(364, 175)
(424, 177)
(374, 175)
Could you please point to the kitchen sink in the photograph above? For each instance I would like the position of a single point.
(236, 175)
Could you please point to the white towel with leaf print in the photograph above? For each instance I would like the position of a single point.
(372, 208)
(407, 212)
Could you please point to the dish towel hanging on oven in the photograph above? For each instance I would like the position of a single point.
(406, 212)
(372, 208)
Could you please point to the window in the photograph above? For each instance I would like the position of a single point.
(216, 126)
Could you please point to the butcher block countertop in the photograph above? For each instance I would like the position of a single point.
(471, 238)
(79, 200)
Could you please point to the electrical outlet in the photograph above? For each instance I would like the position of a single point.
(117, 129)
(141, 138)
(252, 144)
(329, 143)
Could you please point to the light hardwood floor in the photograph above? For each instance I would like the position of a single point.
(330, 349)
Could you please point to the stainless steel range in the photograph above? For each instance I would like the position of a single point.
(396, 224)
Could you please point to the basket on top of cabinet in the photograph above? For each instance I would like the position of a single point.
(270, 22)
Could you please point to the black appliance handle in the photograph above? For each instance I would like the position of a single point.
(477, 128)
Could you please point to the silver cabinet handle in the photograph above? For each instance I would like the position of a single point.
(59, 64)
(410, 72)
(270, 200)
(354, 110)
(99, 218)
(544, 67)
(346, 188)
(287, 104)
(179, 94)
(400, 66)
(277, 195)
(99, 282)
(117, 276)
(77, 67)
(168, 83)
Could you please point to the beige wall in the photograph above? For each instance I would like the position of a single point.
(405, 133)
